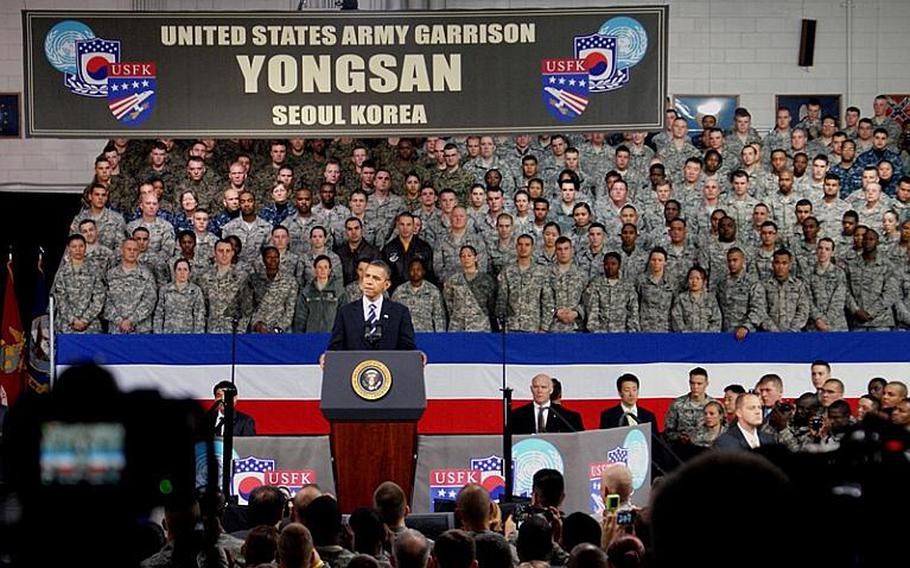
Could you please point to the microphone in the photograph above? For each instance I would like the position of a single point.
(372, 334)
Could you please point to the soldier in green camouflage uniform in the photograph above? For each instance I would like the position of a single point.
(470, 295)
(521, 288)
(562, 300)
(274, 296)
(78, 292)
(422, 298)
(109, 224)
(181, 304)
(223, 286)
(161, 233)
(454, 177)
(655, 293)
(131, 294)
(253, 231)
(611, 303)
(686, 413)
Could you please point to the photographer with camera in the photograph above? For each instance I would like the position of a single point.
(826, 432)
(776, 412)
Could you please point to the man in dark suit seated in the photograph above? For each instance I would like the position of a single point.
(627, 412)
(541, 415)
(745, 434)
(373, 322)
(244, 425)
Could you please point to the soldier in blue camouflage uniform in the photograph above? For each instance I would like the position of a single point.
(872, 288)
(738, 296)
(695, 309)
(786, 300)
(828, 286)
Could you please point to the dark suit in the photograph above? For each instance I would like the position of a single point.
(524, 420)
(733, 439)
(244, 425)
(350, 328)
(615, 417)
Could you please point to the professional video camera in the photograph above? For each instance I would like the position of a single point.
(90, 462)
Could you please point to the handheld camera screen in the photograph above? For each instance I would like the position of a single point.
(77, 453)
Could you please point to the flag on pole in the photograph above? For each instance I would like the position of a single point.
(12, 340)
(39, 355)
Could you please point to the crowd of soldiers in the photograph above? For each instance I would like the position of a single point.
(804, 228)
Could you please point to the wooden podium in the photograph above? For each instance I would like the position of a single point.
(373, 400)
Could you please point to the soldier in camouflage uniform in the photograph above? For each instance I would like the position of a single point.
(828, 286)
(872, 288)
(454, 177)
(331, 214)
(682, 253)
(521, 287)
(611, 303)
(181, 304)
(78, 291)
(686, 412)
(448, 246)
(655, 293)
(742, 134)
(695, 309)
(204, 187)
(786, 300)
(779, 136)
(677, 151)
(470, 295)
(300, 224)
(109, 223)
(590, 259)
(189, 251)
(502, 246)
(223, 286)
(562, 300)
(161, 233)
(253, 231)
(274, 296)
(98, 256)
(902, 304)
(318, 240)
(320, 299)
(383, 208)
(422, 298)
(737, 296)
(131, 294)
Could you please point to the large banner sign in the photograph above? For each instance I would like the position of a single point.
(260, 74)
(445, 464)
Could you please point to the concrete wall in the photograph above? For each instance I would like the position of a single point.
(744, 47)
